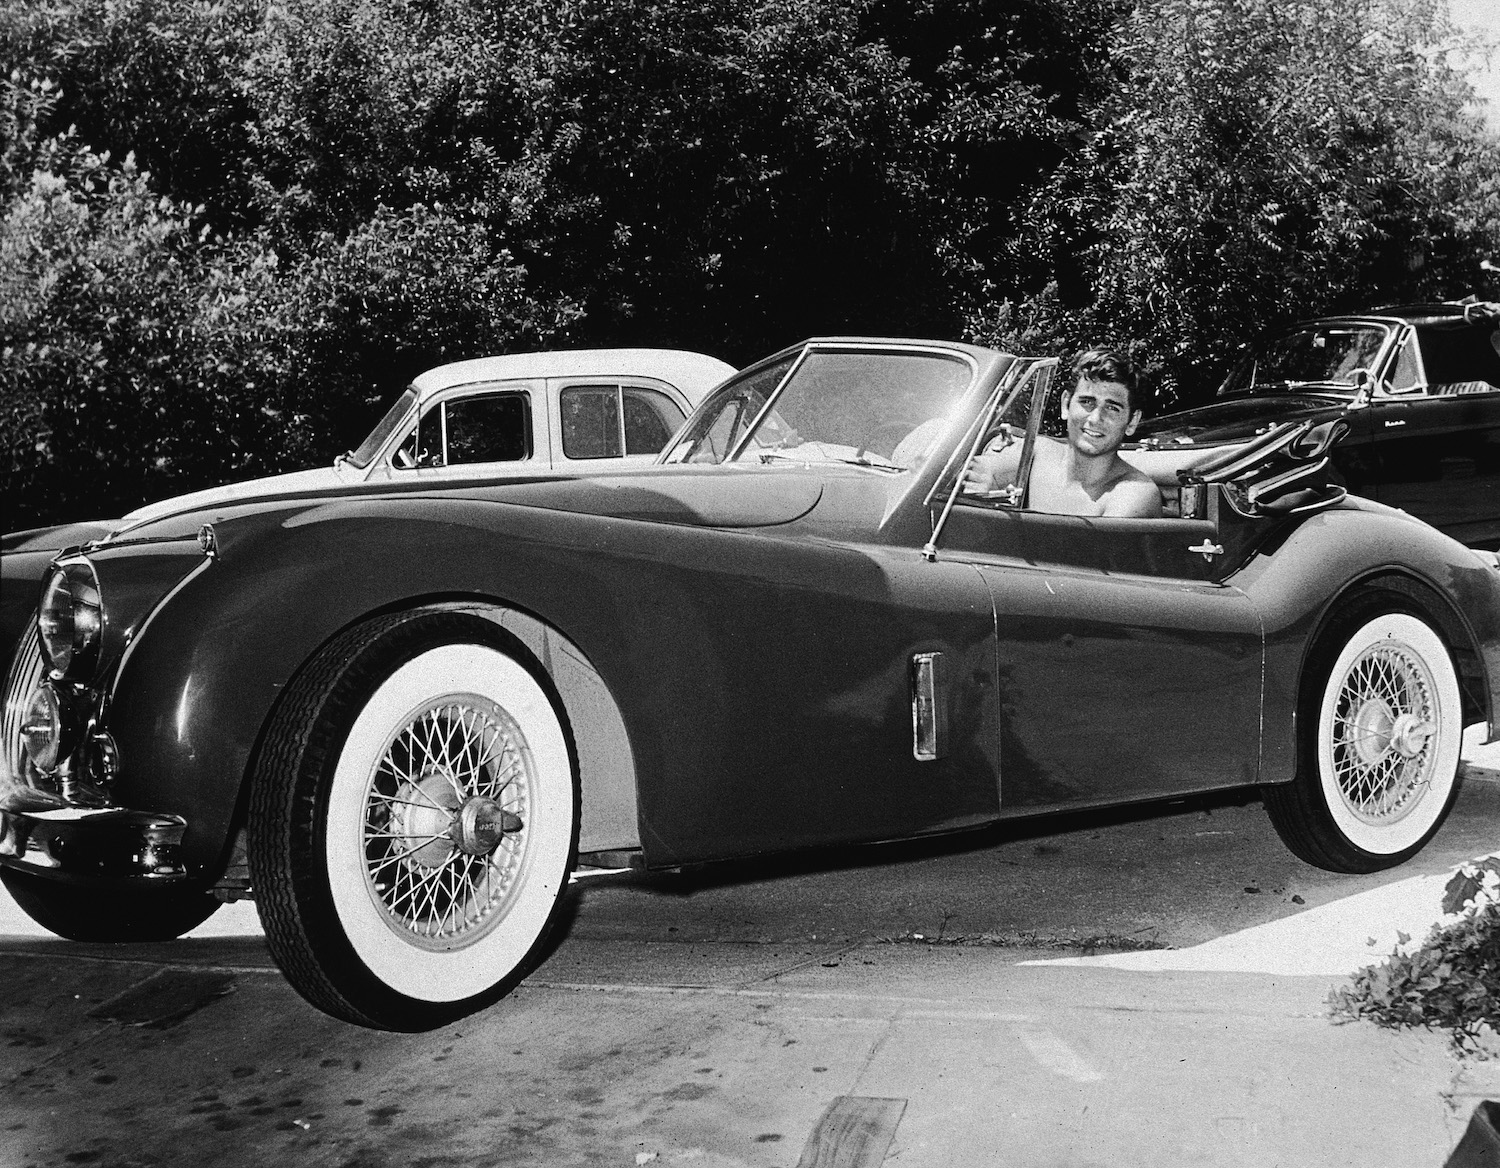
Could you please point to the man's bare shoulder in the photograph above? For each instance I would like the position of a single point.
(1134, 494)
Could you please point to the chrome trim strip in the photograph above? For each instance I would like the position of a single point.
(26, 670)
(135, 637)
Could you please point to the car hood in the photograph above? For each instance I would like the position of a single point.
(319, 479)
(703, 497)
(1236, 419)
(699, 497)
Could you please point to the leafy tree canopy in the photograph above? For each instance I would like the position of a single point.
(233, 229)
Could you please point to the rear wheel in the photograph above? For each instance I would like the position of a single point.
(413, 821)
(94, 914)
(1380, 729)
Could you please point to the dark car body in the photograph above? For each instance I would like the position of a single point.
(783, 636)
(1419, 389)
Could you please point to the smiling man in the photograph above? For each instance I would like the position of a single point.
(1085, 475)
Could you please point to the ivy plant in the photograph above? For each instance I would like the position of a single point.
(1451, 981)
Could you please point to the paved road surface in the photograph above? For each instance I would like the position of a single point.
(871, 1007)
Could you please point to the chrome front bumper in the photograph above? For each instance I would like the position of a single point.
(110, 844)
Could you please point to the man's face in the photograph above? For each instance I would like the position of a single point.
(1099, 416)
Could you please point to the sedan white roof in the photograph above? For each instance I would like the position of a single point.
(693, 373)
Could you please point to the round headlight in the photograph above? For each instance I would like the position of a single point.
(71, 618)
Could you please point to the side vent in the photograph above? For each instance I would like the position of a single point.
(929, 706)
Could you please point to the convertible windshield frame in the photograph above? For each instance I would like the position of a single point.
(813, 348)
(1038, 373)
(733, 454)
(806, 404)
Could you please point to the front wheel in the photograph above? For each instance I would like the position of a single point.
(82, 913)
(413, 821)
(1380, 729)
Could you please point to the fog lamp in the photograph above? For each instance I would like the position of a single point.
(42, 728)
(71, 618)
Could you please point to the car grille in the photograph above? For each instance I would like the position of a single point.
(25, 675)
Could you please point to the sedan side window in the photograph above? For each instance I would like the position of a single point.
(651, 418)
(607, 421)
(492, 428)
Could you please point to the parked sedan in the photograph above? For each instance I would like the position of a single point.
(398, 713)
(1419, 387)
(563, 412)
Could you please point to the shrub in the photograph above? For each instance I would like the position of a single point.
(141, 356)
(1451, 981)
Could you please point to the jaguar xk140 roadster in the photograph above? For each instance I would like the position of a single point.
(398, 713)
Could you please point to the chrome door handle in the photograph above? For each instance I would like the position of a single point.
(1397, 422)
(1208, 550)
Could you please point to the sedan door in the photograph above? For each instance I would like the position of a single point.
(477, 429)
(598, 419)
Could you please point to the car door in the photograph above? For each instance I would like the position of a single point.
(1128, 667)
(594, 419)
(476, 429)
(1440, 460)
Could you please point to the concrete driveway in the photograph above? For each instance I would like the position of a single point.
(955, 1002)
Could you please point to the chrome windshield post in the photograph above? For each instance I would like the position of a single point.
(1039, 371)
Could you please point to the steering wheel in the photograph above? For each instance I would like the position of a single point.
(883, 439)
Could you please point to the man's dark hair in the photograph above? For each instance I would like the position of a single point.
(1108, 365)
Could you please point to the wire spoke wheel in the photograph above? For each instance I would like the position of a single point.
(1382, 744)
(445, 821)
(1379, 728)
(414, 821)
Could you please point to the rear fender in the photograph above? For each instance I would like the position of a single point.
(1306, 578)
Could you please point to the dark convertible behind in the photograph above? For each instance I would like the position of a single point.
(1418, 386)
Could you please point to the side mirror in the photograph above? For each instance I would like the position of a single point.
(1364, 389)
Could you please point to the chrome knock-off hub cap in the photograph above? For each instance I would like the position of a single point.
(1378, 729)
(480, 825)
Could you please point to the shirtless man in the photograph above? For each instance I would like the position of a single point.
(1085, 475)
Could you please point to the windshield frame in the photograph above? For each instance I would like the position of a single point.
(1391, 330)
(819, 347)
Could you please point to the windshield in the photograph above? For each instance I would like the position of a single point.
(875, 408)
(1316, 354)
(370, 447)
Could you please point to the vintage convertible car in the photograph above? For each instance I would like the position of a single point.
(576, 410)
(399, 714)
(1419, 387)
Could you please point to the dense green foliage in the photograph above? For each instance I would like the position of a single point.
(1451, 980)
(233, 229)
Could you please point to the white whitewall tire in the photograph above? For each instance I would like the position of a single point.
(413, 820)
(1389, 734)
(1379, 731)
(407, 917)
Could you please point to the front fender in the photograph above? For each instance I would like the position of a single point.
(196, 688)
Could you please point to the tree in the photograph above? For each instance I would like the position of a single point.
(1259, 160)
